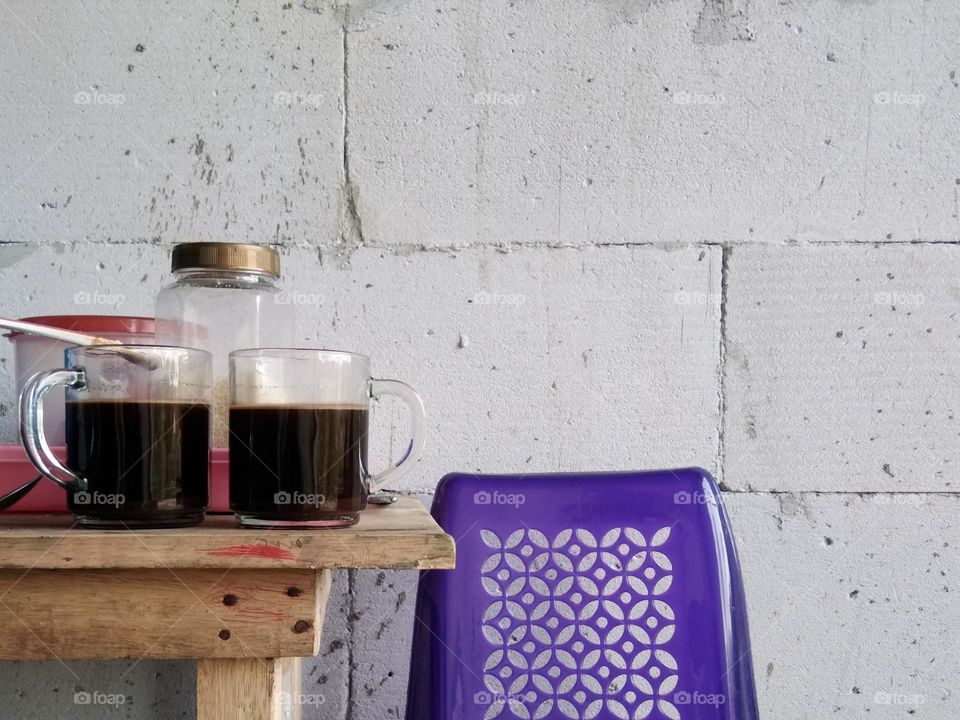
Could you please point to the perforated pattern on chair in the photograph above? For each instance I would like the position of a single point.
(579, 626)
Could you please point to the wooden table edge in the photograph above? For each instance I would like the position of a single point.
(417, 542)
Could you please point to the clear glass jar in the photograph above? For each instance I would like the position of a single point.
(224, 297)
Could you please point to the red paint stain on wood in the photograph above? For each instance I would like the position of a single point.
(267, 552)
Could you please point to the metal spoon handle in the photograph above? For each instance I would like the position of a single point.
(14, 496)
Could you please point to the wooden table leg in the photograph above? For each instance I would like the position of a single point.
(248, 689)
(261, 688)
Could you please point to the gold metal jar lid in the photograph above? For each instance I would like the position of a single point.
(225, 256)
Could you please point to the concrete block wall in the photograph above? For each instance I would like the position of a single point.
(595, 234)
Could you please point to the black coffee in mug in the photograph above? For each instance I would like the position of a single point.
(299, 420)
(298, 462)
(145, 463)
(137, 434)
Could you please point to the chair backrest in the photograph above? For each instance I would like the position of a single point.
(581, 596)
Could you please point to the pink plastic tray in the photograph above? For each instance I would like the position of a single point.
(15, 470)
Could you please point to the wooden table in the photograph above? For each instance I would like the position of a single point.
(247, 604)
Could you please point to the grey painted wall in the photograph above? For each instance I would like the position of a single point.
(594, 234)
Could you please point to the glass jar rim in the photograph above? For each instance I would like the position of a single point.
(295, 353)
(113, 348)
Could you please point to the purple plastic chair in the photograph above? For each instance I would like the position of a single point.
(581, 596)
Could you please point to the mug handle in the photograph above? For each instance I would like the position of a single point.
(31, 425)
(418, 420)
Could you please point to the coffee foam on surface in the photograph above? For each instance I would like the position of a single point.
(297, 406)
(287, 387)
(138, 401)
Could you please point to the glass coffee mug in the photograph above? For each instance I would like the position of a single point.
(137, 434)
(299, 421)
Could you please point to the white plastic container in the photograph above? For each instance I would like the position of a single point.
(33, 354)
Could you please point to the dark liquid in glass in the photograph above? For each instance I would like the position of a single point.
(298, 464)
(145, 463)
